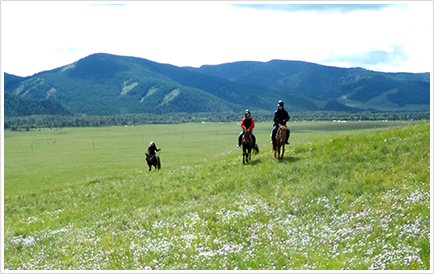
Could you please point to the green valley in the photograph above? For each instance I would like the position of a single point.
(352, 195)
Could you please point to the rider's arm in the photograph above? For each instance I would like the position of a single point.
(252, 125)
(285, 117)
(276, 118)
(242, 123)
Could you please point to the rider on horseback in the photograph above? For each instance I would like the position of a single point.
(281, 116)
(248, 123)
(152, 148)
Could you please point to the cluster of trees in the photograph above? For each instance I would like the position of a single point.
(356, 116)
(60, 121)
(408, 92)
(18, 106)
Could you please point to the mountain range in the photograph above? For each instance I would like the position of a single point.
(105, 84)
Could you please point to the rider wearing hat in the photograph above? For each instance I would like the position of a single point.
(152, 148)
(248, 123)
(281, 116)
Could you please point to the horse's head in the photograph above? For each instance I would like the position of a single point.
(247, 138)
(148, 156)
(283, 128)
(246, 132)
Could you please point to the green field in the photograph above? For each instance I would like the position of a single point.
(349, 195)
(54, 158)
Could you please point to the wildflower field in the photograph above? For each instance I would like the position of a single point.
(346, 196)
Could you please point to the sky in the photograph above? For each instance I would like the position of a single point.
(389, 36)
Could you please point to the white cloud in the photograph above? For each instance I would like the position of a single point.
(45, 35)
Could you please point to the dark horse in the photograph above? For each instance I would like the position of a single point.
(153, 161)
(279, 142)
(247, 145)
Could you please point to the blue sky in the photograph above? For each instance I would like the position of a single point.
(391, 37)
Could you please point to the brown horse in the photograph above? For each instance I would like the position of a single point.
(247, 145)
(279, 142)
(153, 161)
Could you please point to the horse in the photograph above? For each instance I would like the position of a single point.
(247, 145)
(153, 161)
(279, 142)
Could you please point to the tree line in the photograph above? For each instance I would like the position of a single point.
(27, 123)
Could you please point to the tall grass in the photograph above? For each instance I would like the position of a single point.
(352, 202)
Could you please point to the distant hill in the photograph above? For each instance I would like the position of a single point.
(17, 106)
(352, 87)
(104, 84)
(11, 80)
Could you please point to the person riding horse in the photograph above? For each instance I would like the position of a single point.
(281, 116)
(248, 123)
(152, 148)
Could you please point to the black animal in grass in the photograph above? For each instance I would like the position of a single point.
(151, 158)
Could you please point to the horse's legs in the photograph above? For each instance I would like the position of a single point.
(152, 162)
(283, 151)
(279, 151)
(273, 149)
(245, 156)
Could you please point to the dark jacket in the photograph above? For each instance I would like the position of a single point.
(152, 149)
(281, 117)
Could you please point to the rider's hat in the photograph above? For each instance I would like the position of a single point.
(152, 143)
(280, 103)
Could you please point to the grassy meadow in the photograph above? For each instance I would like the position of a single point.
(352, 195)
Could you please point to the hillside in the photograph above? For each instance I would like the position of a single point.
(352, 87)
(17, 106)
(104, 84)
(11, 80)
(356, 202)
